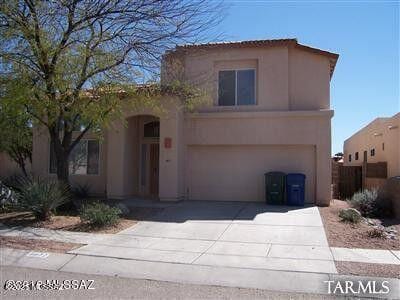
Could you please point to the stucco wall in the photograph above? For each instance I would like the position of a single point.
(287, 78)
(373, 136)
(8, 167)
(262, 133)
(236, 172)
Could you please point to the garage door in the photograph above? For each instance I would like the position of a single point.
(236, 173)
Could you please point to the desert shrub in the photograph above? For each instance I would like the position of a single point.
(365, 202)
(81, 191)
(99, 214)
(351, 215)
(41, 196)
(377, 232)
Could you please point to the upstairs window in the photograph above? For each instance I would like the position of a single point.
(372, 152)
(349, 157)
(237, 87)
(356, 156)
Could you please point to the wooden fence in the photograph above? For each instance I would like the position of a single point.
(347, 180)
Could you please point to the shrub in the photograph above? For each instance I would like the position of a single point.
(41, 196)
(351, 215)
(99, 214)
(81, 191)
(366, 202)
(377, 232)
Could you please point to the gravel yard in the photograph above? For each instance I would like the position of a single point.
(342, 234)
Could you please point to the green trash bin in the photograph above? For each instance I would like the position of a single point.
(275, 188)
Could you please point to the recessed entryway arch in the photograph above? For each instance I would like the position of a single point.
(144, 156)
(142, 150)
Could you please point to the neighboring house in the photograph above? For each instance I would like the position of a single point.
(270, 111)
(379, 141)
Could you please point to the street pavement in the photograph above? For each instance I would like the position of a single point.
(113, 287)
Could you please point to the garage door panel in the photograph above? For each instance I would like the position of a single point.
(236, 173)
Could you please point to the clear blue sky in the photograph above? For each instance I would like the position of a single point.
(365, 84)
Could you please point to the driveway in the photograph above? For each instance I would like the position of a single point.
(226, 234)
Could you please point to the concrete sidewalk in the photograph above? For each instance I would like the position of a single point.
(297, 282)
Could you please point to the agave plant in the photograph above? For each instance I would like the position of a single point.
(41, 196)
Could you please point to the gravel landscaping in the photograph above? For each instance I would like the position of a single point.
(348, 235)
(73, 222)
(37, 245)
(365, 269)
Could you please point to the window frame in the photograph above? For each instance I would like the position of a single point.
(236, 71)
(372, 152)
(87, 154)
(356, 156)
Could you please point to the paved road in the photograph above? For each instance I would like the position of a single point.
(106, 287)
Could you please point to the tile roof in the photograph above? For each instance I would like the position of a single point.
(333, 57)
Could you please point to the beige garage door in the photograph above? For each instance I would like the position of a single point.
(236, 173)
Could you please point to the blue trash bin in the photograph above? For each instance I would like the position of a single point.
(295, 185)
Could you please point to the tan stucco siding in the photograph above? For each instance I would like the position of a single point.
(8, 167)
(309, 79)
(236, 172)
(286, 78)
(282, 137)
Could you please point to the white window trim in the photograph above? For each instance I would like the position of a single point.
(236, 71)
(87, 156)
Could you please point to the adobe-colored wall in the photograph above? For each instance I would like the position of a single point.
(287, 78)
(373, 136)
(8, 167)
(252, 139)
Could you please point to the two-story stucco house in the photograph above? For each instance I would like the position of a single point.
(270, 111)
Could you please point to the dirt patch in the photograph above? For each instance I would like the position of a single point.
(342, 234)
(37, 245)
(365, 269)
(73, 223)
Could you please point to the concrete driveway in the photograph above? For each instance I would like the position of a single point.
(226, 234)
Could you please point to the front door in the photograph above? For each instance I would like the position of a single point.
(154, 162)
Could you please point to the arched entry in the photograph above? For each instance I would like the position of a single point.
(150, 157)
(145, 157)
(142, 156)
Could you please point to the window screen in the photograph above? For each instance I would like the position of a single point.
(236, 87)
(226, 88)
(245, 87)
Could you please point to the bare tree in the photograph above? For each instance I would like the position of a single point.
(51, 51)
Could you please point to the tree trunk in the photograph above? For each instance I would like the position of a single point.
(62, 168)
(61, 157)
(22, 166)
